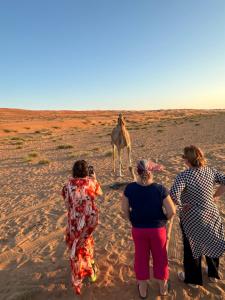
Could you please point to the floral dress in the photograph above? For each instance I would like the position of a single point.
(79, 195)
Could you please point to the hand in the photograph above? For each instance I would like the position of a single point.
(93, 175)
(167, 243)
(215, 198)
(186, 207)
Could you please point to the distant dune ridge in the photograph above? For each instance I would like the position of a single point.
(37, 151)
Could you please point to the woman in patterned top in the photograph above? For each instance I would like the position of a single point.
(79, 194)
(201, 224)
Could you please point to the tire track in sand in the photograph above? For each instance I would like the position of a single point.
(22, 213)
(28, 246)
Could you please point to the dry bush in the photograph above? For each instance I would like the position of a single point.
(65, 146)
(79, 154)
(33, 154)
(27, 159)
(8, 130)
(96, 149)
(43, 162)
(16, 138)
(107, 153)
(17, 143)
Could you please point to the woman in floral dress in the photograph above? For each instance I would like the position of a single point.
(79, 194)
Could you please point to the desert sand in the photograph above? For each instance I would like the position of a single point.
(37, 151)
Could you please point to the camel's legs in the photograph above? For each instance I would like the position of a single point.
(114, 157)
(130, 164)
(120, 162)
(129, 156)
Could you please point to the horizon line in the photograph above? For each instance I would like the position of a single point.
(116, 110)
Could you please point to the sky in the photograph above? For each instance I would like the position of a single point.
(112, 54)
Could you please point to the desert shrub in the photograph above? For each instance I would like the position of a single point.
(83, 153)
(79, 154)
(27, 159)
(107, 153)
(16, 138)
(33, 154)
(65, 146)
(17, 143)
(43, 162)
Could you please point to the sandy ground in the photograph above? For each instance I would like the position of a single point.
(37, 150)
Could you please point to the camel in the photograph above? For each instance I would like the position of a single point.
(120, 139)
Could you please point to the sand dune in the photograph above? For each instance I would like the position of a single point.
(37, 150)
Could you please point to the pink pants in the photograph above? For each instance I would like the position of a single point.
(152, 240)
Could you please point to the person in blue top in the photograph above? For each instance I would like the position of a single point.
(148, 206)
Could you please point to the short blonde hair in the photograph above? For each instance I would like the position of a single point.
(194, 156)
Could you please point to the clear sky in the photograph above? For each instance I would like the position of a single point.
(112, 54)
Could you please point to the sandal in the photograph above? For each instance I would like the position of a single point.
(213, 279)
(167, 289)
(143, 297)
(181, 276)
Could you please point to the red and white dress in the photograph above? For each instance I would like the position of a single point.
(79, 195)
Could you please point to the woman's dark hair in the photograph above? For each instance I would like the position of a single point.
(80, 169)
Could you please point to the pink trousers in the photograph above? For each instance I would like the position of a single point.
(146, 241)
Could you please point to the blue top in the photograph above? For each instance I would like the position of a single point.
(145, 204)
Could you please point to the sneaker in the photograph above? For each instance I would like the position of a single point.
(93, 277)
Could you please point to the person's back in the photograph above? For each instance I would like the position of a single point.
(201, 225)
(146, 202)
(143, 204)
(79, 194)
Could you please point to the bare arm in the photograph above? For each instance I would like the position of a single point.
(219, 191)
(169, 207)
(170, 210)
(125, 208)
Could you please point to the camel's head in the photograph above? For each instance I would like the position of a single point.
(121, 120)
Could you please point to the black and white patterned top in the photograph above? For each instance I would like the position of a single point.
(201, 222)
